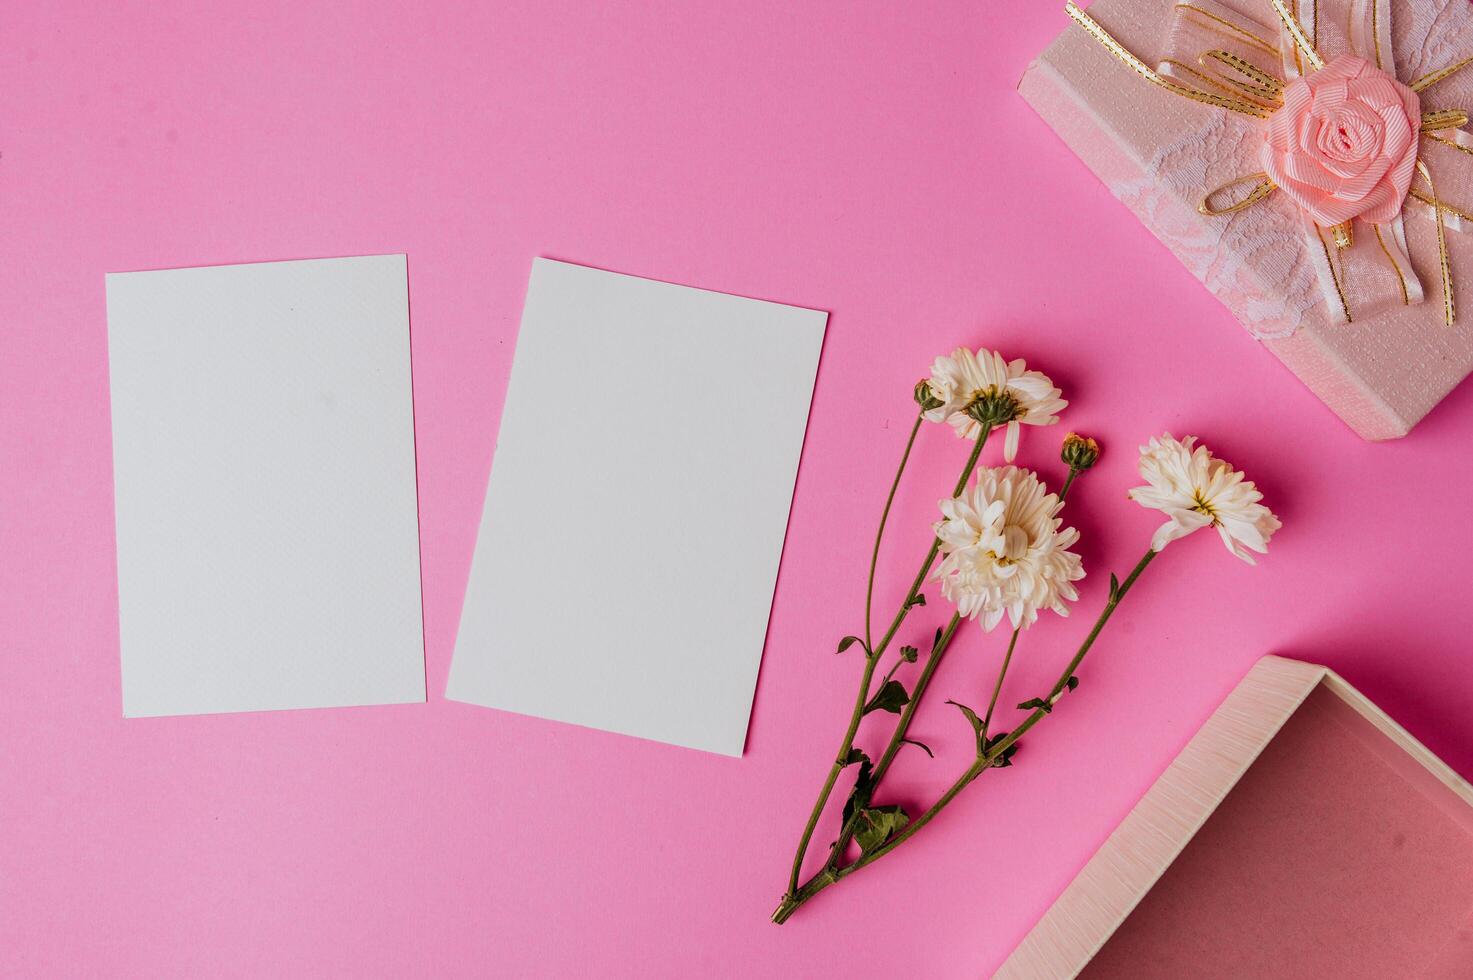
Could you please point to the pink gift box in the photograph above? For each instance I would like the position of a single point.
(1300, 833)
(1159, 153)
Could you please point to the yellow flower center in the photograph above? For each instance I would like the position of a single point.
(1204, 506)
(1014, 545)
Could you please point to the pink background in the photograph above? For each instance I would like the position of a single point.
(872, 159)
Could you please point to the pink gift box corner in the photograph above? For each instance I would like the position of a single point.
(1380, 373)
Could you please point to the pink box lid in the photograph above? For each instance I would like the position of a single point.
(1301, 832)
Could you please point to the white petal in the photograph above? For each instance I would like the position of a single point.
(1004, 552)
(1182, 523)
(1232, 545)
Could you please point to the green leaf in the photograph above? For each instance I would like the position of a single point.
(1039, 703)
(1006, 759)
(892, 697)
(848, 642)
(916, 600)
(909, 654)
(855, 755)
(922, 745)
(1072, 684)
(972, 718)
(863, 787)
(875, 825)
(1114, 587)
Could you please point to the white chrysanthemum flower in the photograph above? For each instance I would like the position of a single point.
(1004, 552)
(1001, 391)
(1195, 489)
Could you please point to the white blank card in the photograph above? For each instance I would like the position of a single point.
(638, 501)
(263, 456)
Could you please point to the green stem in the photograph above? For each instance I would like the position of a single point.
(840, 761)
(1013, 641)
(920, 579)
(1068, 482)
(890, 674)
(1104, 618)
(902, 728)
(830, 875)
(872, 659)
(925, 569)
(997, 688)
(986, 760)
(846, 832)
(874, 558)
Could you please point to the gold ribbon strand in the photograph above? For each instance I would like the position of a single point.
(1103, 36)
(1259, 82)
(1439, 119)
(1432, 78)
(1262, 187)
(1291, 24)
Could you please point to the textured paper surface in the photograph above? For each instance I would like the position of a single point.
(637, 505)
(263, 443)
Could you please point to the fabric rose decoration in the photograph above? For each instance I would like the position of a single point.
(1344, 145)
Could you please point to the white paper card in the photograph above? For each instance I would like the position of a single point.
(637, 506)
(263, 456)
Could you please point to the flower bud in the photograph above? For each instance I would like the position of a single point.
(995, 407)
(925, 397)
(1079, 452)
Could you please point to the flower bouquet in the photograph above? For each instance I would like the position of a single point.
(1000, 551)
